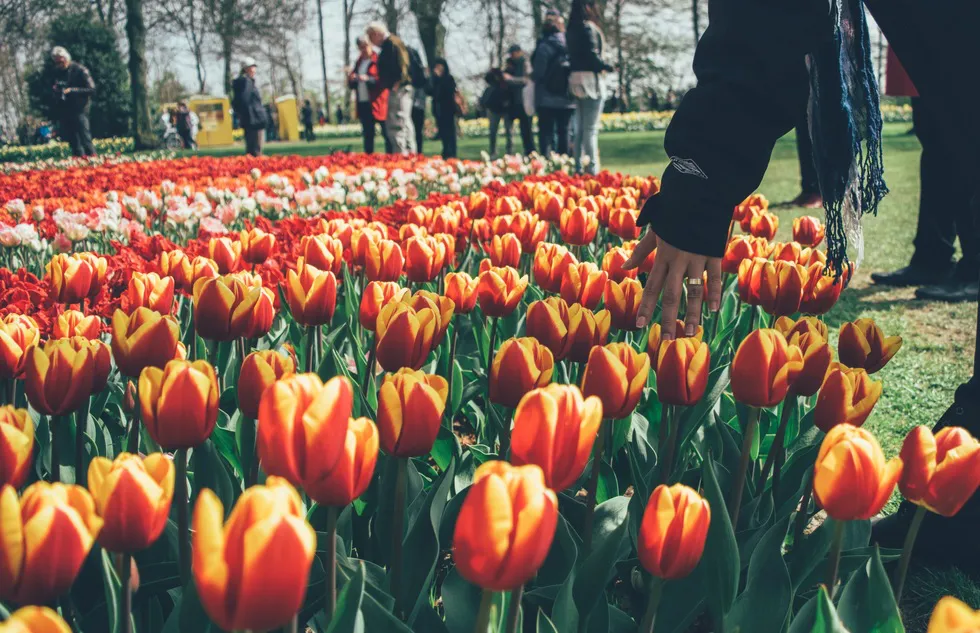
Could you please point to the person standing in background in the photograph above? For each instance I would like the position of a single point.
(418, 118)
(550, 74)
(247, 102)
(944, 207)
(393, 74)
(496, 100)
(72, 94)
(585, 44)
(517, 72)
(185, 125)
(306, 114)
(443, 90)
(372, 99)
(809, 196)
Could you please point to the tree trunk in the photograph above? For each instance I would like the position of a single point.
(501, 34)
(348, 19)
(143, 137)
(696, 22)
(227, 46)
(537, 17)
(323, 57)
(620, 61)
(391, 15)
(196, 48)
(432, 32)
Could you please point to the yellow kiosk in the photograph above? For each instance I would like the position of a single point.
(288, 118)
(215, 116)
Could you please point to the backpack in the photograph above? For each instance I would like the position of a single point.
(559, 68)
(416, 69)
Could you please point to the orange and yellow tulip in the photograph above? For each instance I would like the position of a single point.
(73, 323)
(551, 262)
(612, 264)
(781, 287)
(622, 299)
(149, 290)
(132, 496)
(548, 206)
(817, 357)
(804, 325)
(376, 296)
(259, 370)
(521, 364)
(410, 407)
(405, 336)
(740, 248)
(461, 289)
(444, 306)
(863, 344)
(504, 250)
(323, 252)
(750, 280)
(821, 291)
(555, 428)
(953, 616)
(505, 526)
(311, 294)
(764, 368)
(478, 204)
(18, 333)
(942, 471)
(73, 278)
(547, 321)
(177, 264)
(226, 253)
(851, 479)
(673, 531)
(16, 446)
(251, 571)
(425, 257)
(808, 230)
(144, 339)
(682, 371)
(361, 242)
(256, 245)
(60, 375)
(46, 536)
(847, 396)
(584, 284)
(655, 337)
(764, 224)
(499, 290)
(35, 620)
(586, 330)
(616, 374)
(578, 226)
(179, 403)
(300, 419)
(229, 307)
(384, 261)
(351, 475)
(622, 223)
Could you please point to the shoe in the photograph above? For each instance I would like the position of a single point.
(912, 276)
(805, 200)
(950, 292)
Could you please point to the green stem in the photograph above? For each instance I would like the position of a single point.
(249, 431)
(183, 533)
(397, 531)
(293, 626)
(133, 442)
(490, 352)
(803, 514)
(483, 615)
(310, 347)
(448, 419)
(653, 603)
(590, 500)
(81, 422)
(671, 449)
(752, 317)
(331, 605)
(371, 364)
(735, 506)
(834, 563)
(514, 616)
(777, 446)
(126, 596)
(903, 564)
(55, 423)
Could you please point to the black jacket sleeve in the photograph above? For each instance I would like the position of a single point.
(751, 90)
(593, 54)
(388, 70)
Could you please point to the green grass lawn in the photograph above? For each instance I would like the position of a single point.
(939, 338)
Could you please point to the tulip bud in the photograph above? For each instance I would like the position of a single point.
(322, 252)
(583, 283)
(673, 531)
(251, 572)
(178, 265)
(847, 397)
(405, 336)
(73, 323)
(227, 254)
(60, 375)
(35, 620)
(548, 206)
(18, 333)
(361, 242)
(499, 290)
(863, 344)
(461, 289)
(808, 230)
(851, 480)
(47, 535)
(478, 204)
(179, 403)
(311, 294)
(804, 325)
(504, 250)
(953, 616)
(149, 290)
(259, 370)
(547, 321)
(741, 248)
(655, 337)
(73, 278)
(505, 526)
(410, 407)
(942, 472)
(781, 287)
(555, 428)
(586, 330)
(764, 224)
(764, 368)
(256, 245)
(622, 299)
(132, 496)
(682, 371)
(750, 280)
(508, 205)
(376, 296)
(444, 306)
(612, 264)
(817, 357)
(227, 307)
(352, 474)
(425, 257)
(622, 223)
(578, 226)
(551, 262)
(520, 365)
(384, 261)
(821, 291)
(617, 374)
(16, 446)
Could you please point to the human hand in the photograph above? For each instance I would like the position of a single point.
(666, 281)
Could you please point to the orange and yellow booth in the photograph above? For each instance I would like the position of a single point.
(215, 116)
(288, 118)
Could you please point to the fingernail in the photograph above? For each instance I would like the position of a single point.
(714, 306)
(641, 321)
(667, 336)
(690, 329)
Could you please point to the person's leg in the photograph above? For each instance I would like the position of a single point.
(494, 120)
(447, 133)
(592, 111)
(418, 120)
(365, 116)
(809, 183)
(527, 133)
(259, 141)
(85, 135)
(546, 130)
(68, 129)
(563, 117)
(392, 127)
(577, 142)
(509, 132)
(249, 141)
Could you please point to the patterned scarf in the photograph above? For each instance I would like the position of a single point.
(845, 126)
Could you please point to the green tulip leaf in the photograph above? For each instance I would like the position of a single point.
(720, 561)
(347, 618)
(868, 603)
(767, 599)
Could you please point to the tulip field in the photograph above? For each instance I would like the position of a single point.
(388, 394)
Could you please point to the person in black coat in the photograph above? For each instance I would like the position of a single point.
(442, 87)
(550, 74)
(247, 102)
(306, 114)
(496, 100)
(72, 93)
(517, 72)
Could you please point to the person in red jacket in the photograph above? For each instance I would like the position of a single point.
(372, 99)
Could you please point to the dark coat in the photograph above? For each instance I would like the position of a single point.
(393, 63)
(247, 103)
(443, 91)
(585, 44)
(79, 79)
(545, 61)
(520, 71)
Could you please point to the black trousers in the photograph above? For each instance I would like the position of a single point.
(418, 120)
(944, 199)
(368, 124)
(75, 131)
(254, 136)
(527, 137)
(553, 130)
(447, 134)
(308, 132)
(809, 183)
(185, 136)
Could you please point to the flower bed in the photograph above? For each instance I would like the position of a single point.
(433, 376)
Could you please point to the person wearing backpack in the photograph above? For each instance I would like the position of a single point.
(585, 43)
(517, 72)
(496, 101)
(550, 70)
(394, 74)
(444, 105)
